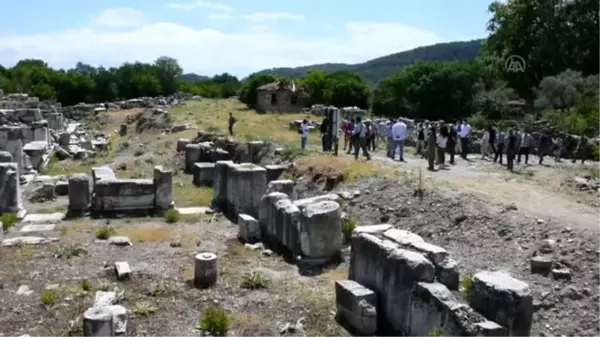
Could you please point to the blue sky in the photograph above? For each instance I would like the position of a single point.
(235, 36)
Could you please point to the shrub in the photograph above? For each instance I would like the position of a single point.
(465, 286)
(348, 226)
(105, 232)
(8, 220)
(172, 216)
(254, 280)
(435, 332)
(215, 321)
(48, 297)
(143, 308)
(85, 285)
(70, 250)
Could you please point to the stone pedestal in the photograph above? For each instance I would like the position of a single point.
(204, 174)
(123, 130)
(98, 322)
(163, 188)
(321, 226)
(79, 194)
(36, 150)
(205, 270)
(64, 139)
(192, 155)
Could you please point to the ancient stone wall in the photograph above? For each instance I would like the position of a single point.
(285, 101)
(400, 284)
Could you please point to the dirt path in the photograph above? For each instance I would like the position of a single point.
(527, 189)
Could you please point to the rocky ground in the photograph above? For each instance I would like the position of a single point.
(485, 233)
(486, 217)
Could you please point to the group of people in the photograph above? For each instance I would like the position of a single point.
(436, 140)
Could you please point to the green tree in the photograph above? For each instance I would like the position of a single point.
(249, 90)
(315, 83)
(168, 71)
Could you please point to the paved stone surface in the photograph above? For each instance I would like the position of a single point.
(37, 228)
(44, 218)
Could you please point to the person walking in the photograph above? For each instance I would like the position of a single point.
(483, 143)
(348, 135)
(511, 149)
(500, 149)
(390, 138)
(525, 146)
(543, 145)
(581, 150)
(430, 148)
(420, 140)
(399, 134)
(451, 143)
(303, 130)
(441, 146)
(359, 134)
(465, 133)
(558, 148)
(230, 123)
(492, 141)
(324, 128)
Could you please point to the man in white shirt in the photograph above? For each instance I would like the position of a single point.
(465, 133)
(399, 134)
(303, 134)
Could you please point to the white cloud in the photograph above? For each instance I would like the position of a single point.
(201, 4)
(220, 16)
(119, 17)
(208, 51)
(274, 16)
(261, 28)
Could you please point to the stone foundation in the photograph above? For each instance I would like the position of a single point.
(113, 195)
(406, 275)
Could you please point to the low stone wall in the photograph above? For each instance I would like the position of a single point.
(410, 279)
(239, 187)
(114, 195)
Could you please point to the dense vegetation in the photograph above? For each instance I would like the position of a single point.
(558, 40)
(85, 83)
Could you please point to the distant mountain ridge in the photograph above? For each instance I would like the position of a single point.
(377, 69)
(191, 77)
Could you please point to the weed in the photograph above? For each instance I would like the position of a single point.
(186, 194)
(348, 226)
(85, 285)
(8, 220)
(148, 234)
(254, 280)
(52, 209)
(143, 308)
(327, 165)
(70, 250)
(48, 297)
(465, 286)
(215, 322)
(172, 216)
(105, 232)
(437, 332)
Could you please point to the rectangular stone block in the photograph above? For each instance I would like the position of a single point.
(249, 229)
(283, 186)
(266, 211)
(123, 195)
(102, 173)
(163, 188)
(302, 203)
(10, 190)
(391, 272)
(504, 300)
(289, 235)
(220, 183)
(275, 171)
(321, 230)
(374, 229)
(204, 174)
(356, 306)
(250, 183)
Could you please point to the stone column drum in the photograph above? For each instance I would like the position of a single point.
(10, 190)
(79, 194)
(192, 155)
(163, 189)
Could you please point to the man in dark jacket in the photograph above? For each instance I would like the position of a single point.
(451, 143)
(511, 150)
(324, 128)
(543, 145)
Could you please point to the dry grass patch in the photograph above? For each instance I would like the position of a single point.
(20, 253)
(212, 115)
(157, 233)
(185, 193)
(75, 226)
(335, 274)
(347, 166)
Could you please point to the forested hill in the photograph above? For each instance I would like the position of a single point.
(377, 69)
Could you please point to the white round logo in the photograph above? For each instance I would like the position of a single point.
(514, 64)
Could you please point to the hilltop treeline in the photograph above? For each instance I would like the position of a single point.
(85, 83)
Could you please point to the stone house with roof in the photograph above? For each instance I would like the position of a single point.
(280, 97)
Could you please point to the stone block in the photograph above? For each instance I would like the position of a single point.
(446, 273)
(283, 186)
(266, 211)
(123, 195)
(249, 185)
(122, 270)
(204, 174)
(102, 173)
(10, 189)
(275, 171)
(504, 300)
(254, 148)
(356, 306)
(163, 188)
(220, 183)
(391, 272)
(489, 328)
(249, 229)
(5, 156)
(182, 143)
(287, 226)
(302, 203)
(192, 155)
(321, 229)
(79, 193)
(374, 229)
(61, 188)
